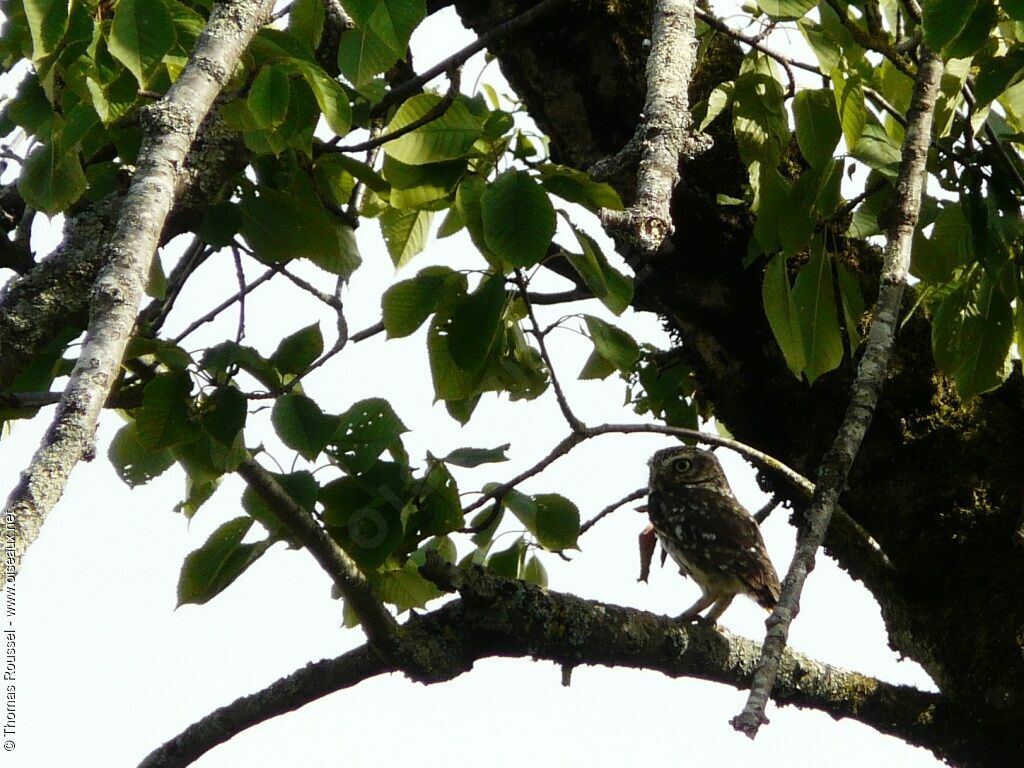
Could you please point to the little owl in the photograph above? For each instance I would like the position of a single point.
(708, 533)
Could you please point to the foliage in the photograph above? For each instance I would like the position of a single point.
(96, 64)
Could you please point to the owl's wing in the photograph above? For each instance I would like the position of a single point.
(719, 530)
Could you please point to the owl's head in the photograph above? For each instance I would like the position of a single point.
(686, 466)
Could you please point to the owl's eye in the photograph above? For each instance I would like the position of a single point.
(681, 465)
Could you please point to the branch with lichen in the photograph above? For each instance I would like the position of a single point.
(866, 389)
(665, 136)
(171, 126)
(506, 618)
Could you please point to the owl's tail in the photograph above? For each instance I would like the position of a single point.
(766, 591)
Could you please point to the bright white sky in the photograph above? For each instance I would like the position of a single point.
(108, 669)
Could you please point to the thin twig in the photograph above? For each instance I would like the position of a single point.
(407, 89)
(313, 291)
(434, 113)
(574, 423)
(639, 493)
(788, 63)
(762, 514)
(226, 304)
(867, 385)
(240, 274)
(869, 549)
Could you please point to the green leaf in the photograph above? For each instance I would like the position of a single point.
(220, 361)
(613, 344)
(134, 463)
(577, 187)
(405, 233)
(224, 414)
(447, 137)
(280, 227)
(297, 352)
(975, 33)
(535, 572)
(760, 120)
(942, 21)
(853, 304)
(365, 431)
(221, 222)
(363, 513)
(406, 305)
(165, 417)
(300, 486)
(998, 74)
(849, 101)
(301, 425)
(614, 289)
(212, 568)
(468, 203)
(719, 100)
(817, 124)
(381, 36)
(596, 368)
(474, 457)
(405, 588)
(422, 186)
(47, 20)
(476, 323)
(509, 562)
(306, 21)
(330, 96)
(518, 219)
(141, 33)
(781, 310)
(440, 505)
(558, 522)
(814, 295)
(786, 10)
(936, 258)
(50, 181)
(269, 96)
(876, 149)
(972, 330)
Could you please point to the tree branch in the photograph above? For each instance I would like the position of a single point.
(312, 682)
(380, 626)
(55, 295)
(867, 386)
(170, 127)
(665, 135)
(563, 403)
(507, 618)
(400, 94)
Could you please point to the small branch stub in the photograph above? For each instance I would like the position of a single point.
(666, 135)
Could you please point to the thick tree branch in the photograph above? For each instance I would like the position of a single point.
(867, 387)
(54, 296)
(506, 618)
(170, 128)
(665, 135)
(312, 682)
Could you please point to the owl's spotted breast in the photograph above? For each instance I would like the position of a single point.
(708, 533)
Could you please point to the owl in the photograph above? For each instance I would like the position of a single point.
(708, 533)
